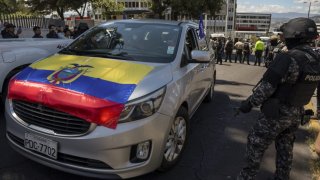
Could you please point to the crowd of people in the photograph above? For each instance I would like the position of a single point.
(60, 32)
(245, 47)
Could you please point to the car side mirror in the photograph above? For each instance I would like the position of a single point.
(200, 56)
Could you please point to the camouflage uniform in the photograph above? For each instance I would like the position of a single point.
(266, 130)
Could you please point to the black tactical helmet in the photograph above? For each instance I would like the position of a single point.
(299, 28)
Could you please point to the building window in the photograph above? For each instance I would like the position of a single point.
(126, 4)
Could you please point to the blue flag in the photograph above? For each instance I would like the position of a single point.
(201, 28)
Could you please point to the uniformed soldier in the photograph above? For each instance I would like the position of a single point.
(271, 48)
(285, 88)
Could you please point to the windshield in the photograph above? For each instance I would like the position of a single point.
(129, 41)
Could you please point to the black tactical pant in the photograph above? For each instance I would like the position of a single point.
(258, 54)
(238, 55)
(263, 133)
(219, 58)
(228, 55)
(246, 56)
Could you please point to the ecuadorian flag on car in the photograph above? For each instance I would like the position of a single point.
(94, 89)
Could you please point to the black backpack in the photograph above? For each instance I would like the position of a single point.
(229, 45)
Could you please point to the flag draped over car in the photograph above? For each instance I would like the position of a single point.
(94, 89)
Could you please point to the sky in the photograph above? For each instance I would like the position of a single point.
(278, 6)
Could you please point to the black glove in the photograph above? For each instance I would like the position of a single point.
(245, 106)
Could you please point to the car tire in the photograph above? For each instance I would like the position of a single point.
(210, 95)
(176, 142)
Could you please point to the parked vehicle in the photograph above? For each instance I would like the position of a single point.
(16, 54)
(116, 103)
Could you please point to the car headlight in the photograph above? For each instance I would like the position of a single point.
(143, 107)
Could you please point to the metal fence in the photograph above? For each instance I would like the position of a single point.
(30, 21)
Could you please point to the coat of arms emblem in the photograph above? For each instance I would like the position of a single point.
(68, 73)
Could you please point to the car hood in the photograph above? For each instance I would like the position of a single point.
(160, 76)
(92, 88)
(107, 79)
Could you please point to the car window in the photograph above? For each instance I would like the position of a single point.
(130, 41)
(191, 42)
(202, 43)
(189, 45)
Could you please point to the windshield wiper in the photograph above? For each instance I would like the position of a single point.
(69, 51)
(122, 55)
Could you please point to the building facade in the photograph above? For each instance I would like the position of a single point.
(252, 24)
(224, 23)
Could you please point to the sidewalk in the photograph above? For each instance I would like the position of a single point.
(313, 128)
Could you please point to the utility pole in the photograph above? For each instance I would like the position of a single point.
(309, 10)
(310, 6)
(227, 18)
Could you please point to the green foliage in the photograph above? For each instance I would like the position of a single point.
(60, 6)
(108, 7)
(9, 6)
(190, 8)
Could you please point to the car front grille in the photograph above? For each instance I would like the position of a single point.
(57, 121)
(66, 158)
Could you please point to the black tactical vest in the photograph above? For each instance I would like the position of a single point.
(300, 93)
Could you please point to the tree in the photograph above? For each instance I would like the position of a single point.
(8, 6)
(108, 7)
(159, 6)
(190, 8)
(214, 7)
(60, 6)
(79, 6)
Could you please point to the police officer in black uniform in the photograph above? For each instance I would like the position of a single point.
(272, 45)
(285, 88)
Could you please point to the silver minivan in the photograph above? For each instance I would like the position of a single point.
(115, 103)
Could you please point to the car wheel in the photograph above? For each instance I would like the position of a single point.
(176, 141)
(210, 95)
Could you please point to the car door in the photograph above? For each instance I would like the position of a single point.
(192, 76)
(206, 72)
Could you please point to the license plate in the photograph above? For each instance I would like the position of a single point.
(42, 145)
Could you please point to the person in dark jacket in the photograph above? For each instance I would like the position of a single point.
(246, 51)
(83, 27)
(271, 50)
(4, 30)
(219, 51)
(10, 32)
(228, 48)
(37, 32)
(284, 89)
(52, 32)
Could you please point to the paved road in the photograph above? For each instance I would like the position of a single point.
(216, 147)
